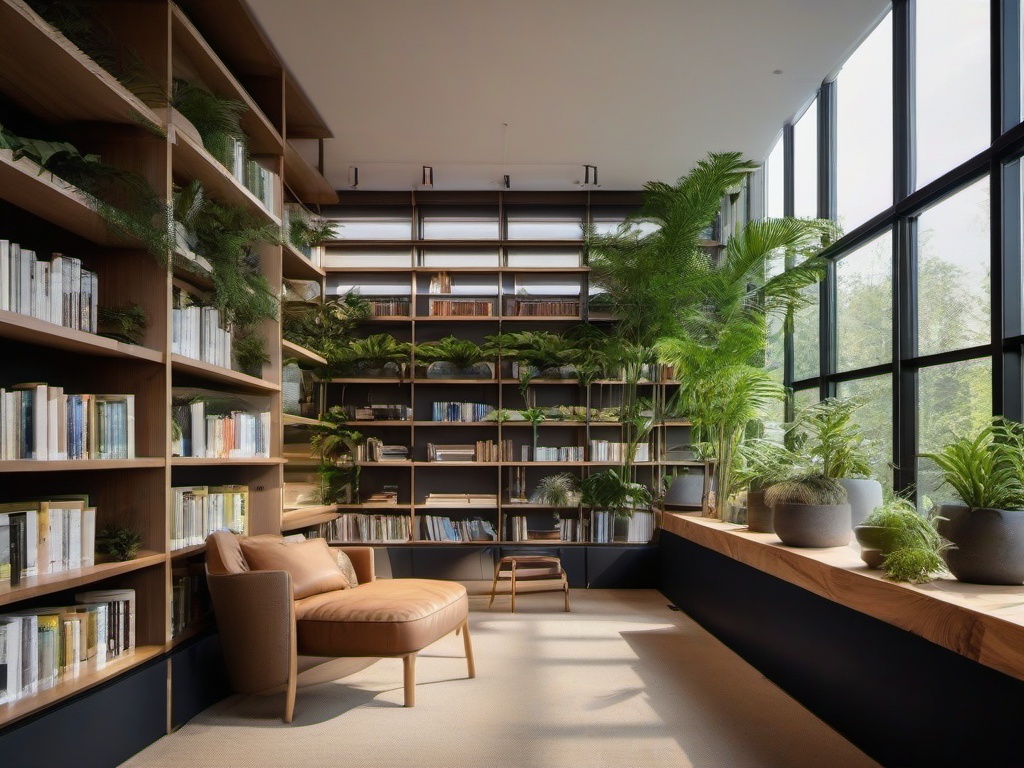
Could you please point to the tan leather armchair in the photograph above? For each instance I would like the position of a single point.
(268, 635)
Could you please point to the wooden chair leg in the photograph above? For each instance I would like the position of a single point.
(293, 683)
(513, 587)
(565, 589)
(494, 585)
(409, 664)
(470, 664)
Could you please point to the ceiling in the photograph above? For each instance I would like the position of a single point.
(535, 89)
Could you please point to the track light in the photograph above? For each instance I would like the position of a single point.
(428, 176)
(353, 176)
(587, 175)
(508, 182)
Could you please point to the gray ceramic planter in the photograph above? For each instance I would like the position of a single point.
(812, 525)
(989, 544)
(446, 370)
(875, 542)
(863, 495)
(759, 515)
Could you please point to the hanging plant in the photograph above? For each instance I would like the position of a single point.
(326, 327)
(216, 118)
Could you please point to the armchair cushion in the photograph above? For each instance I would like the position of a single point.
(312, 565)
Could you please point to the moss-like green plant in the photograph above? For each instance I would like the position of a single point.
(915, 551)
(613, 490)
(462, 353)
(119, 541)
(326, 327)
(306, 231)
(561, 490)
(125, 323)
(812, 489)
(250, 350)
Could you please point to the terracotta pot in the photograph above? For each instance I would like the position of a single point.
(989, 543)
(813, 525)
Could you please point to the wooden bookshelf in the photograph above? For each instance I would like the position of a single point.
(48, 583)
(304, 181)
(191, 461)
(215, 373)
(303, 355)
(29, 329)
(299, 267)
(304, 517)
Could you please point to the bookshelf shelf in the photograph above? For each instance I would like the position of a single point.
(210, 372)
(48, 75)
(299, 267)
(48, 583)
(193, 630)
(90, 678)
(192, 161)
(304, 181)
(370, 505)
(291, 420)
(195, 549)
(20, 327)
(453, 423)
(80, 465)
(304, 355)
(264, 139)
(293, 519)
(190, 461)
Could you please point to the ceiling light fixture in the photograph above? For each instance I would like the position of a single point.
(508, 182)
(428, 176)
(353, 176)
(587, 181)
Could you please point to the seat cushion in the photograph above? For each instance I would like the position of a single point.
(313, 567)
(381, 618)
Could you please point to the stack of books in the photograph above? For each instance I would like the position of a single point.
(58, 291)
(46, 537)
(440, 282)
(197, 511)
(563, 453)
(39, 421)
(389, 307)
(460, 308)
(379, 413)
(516, 306)
(211, 425)
(451, 452)
(41, 647)
(376, 450)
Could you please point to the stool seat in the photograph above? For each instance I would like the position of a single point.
(517, 569)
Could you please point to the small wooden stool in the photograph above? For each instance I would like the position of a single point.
(530, 568)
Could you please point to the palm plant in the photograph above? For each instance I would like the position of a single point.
(125, 323)
(831, 438)
(462, 353)
(376, 351)
(985, 470)
(216, 118)
(613, 490)
(325, 326)
(763, 463)
(535, 416)
(336, 447)
(561, 490)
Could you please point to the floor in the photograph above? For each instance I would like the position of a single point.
(620, 681)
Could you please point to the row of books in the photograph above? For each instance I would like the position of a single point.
(39, 421)
(481, 450)
(461, 499)
(355, 526)
(519, 307)
(47, 536)
(606, 450)
(460, 308)
(200, 333)
(436, 528)
(552, 453)
(190, 599)
(41, 647)
(605, 527)
(251, 174)
(376, 450)
(450, 411)
(379, 412)
(199, 510)
(392, 307)
(236, 434)
(58, 291)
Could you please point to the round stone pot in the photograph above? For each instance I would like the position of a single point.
(445, 370)
(989, 543)
(759, 515)
(876, 542)
(813, 525)
(862, 494)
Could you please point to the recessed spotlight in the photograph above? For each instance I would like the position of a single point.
(776, 71)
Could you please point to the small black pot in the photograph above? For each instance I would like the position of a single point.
(989, 543)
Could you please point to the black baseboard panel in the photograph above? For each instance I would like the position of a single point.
(198, 678)
(102, 727)
(901, 699)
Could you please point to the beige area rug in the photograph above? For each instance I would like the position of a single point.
(621, 681)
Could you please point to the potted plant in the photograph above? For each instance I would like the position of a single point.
(336, 446)
(561, 490)
(896, 537)
(987, 527)
(453, 358)
(612, 490)
(763, 463)
(380, 354)
(835, 444)
(535, 416)
(810, 510)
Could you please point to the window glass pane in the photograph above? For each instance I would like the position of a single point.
(805, 163)
(952, 84)
(953, 399)
(806, 361)
(775, 182)
(864, 305)
(864, 129)
(460, 224)
(774, 363)
(875, 418)
(953, 291)
(545, 223)
(804, 398)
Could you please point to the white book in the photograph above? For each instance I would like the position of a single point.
(10, 659)
(29, 654)
(56, 424)
(40, 290)
(73, 282)
(57, 289)
(94, 303)
(198, 427)
(5, 275)
(27, 260)
(88, 537)
(74, 543)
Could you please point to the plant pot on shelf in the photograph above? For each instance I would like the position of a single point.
(444, 370)
(291, 389)
(387, 371)
(875, 542)
(813, 525)
(759, 514)
(863, 494)
(988, 543)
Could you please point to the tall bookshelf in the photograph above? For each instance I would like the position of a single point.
(46, 79)
(514, 261)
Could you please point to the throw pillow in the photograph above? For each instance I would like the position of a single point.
(313, 567)
(345, 564)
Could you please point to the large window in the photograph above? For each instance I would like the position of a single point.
(864, 305)
(875, 419)
(864, 129)
(775, 177)
(805, 163)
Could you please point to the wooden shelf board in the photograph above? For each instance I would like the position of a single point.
(454, 423)
(490, 464)
(48, 583)
(540, 319)
(41, 333)
(291, 420)
(301, 517)
(370, 380)
(264, 138)
(555, 423)
(380, 423)
(90, 678)
(983, 623)
(402, 463)
(193, 162)
(30, 465)
(304, 181)
(291, 349)
(458, 319)
(189, 461)
(388, 319)
(371, 505)
(52, 199)
(297, 267)
(186, 365)
(194, 549)
(196, 628)
(48, 75)
(444, 382)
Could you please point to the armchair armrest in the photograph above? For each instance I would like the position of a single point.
(362, 561)
(255, 614)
